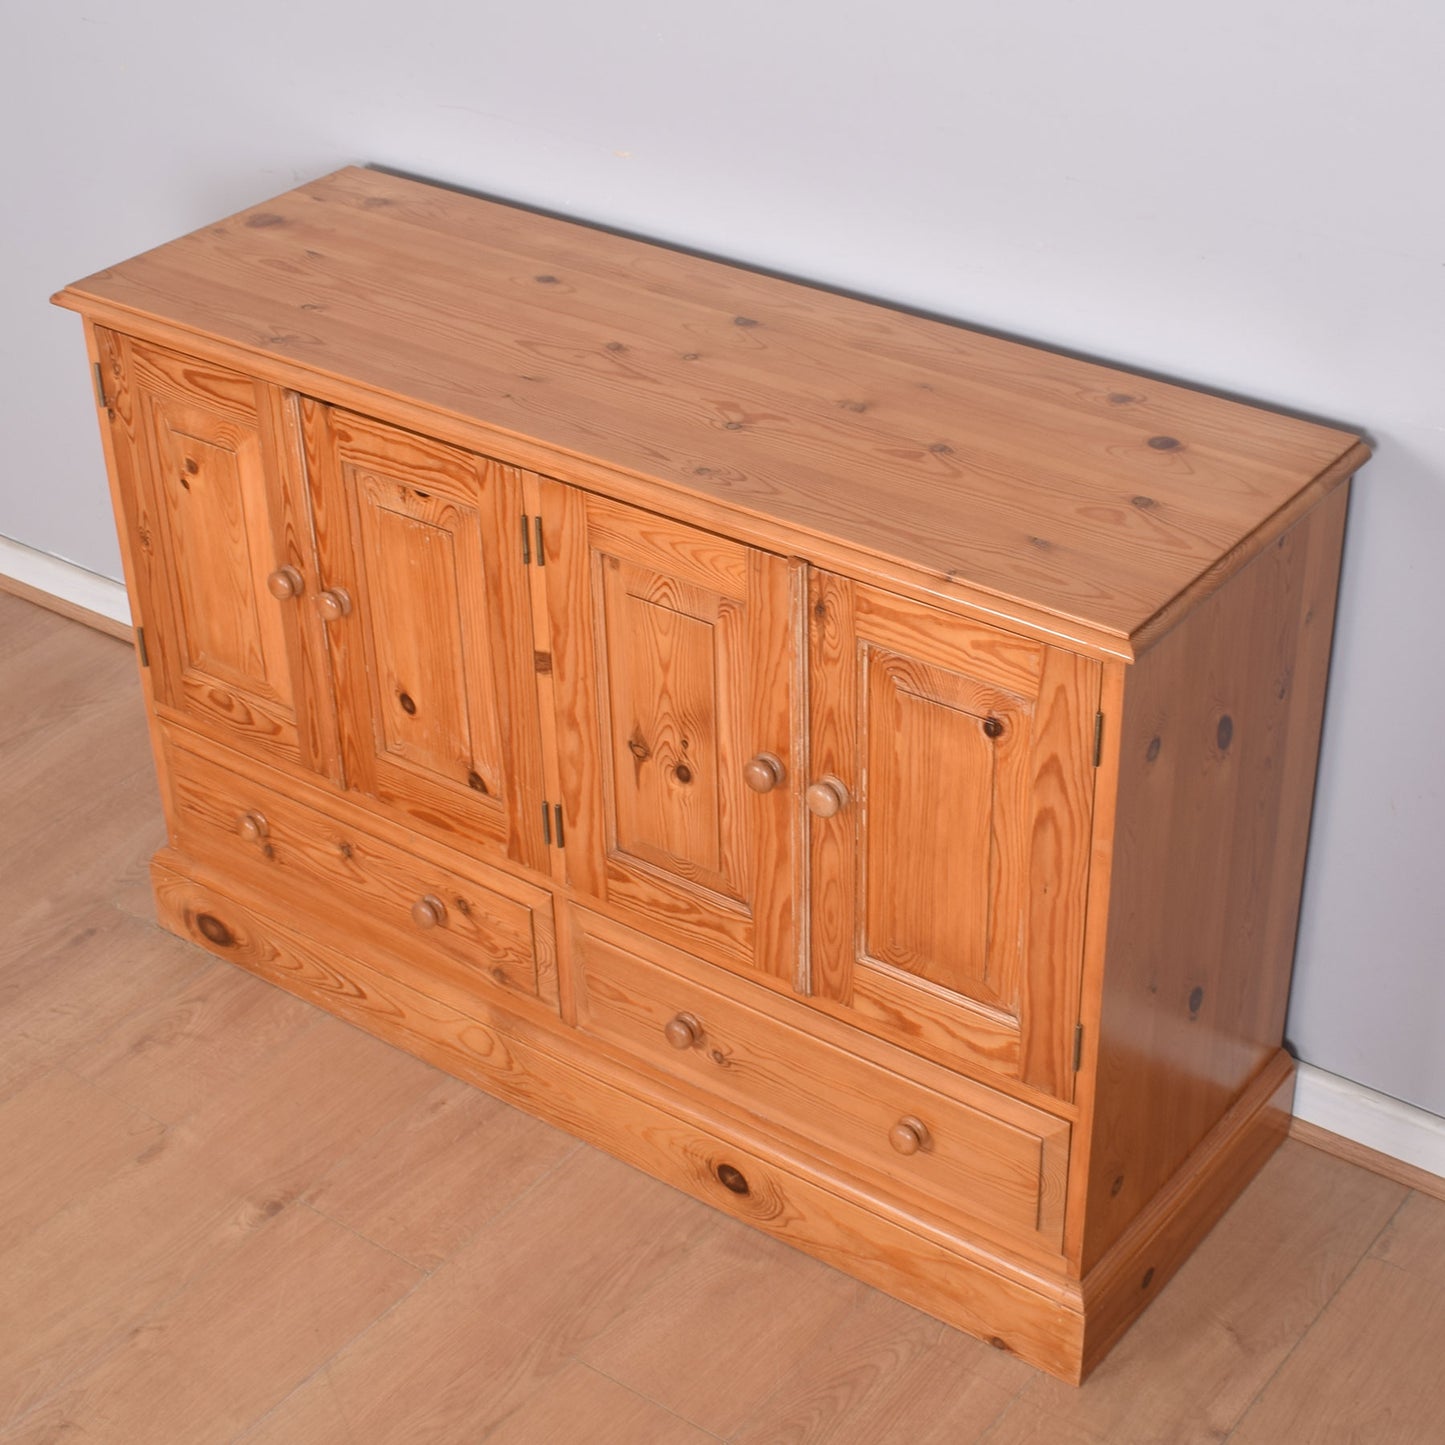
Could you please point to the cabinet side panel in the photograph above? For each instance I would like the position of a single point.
(1219, 745)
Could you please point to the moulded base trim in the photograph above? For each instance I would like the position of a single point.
(749, 1176)
(1136, 1268)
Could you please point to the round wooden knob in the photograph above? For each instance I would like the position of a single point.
(826, 797)
(333, 604)
(252, 827)
(909, 1135)
(764, 772)
(285, 582)
(683, 1031)
(428, 912)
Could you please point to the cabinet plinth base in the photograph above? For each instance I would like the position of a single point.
(1050, 1321)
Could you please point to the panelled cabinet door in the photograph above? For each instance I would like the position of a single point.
(210, 476)
(425, 598)
(674, 659)
(950, 801)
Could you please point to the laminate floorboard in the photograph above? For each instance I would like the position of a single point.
(226, 1216)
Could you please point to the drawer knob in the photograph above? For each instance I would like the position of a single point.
(826, 797)
(284, 583)
(909, 1135)
(683, 1031)
(764, 772)
(333, 604)
(429, 911)
(253, 827)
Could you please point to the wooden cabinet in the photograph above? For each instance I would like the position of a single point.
(855, 769)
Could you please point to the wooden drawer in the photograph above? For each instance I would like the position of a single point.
(496, 936)
(980, 1157)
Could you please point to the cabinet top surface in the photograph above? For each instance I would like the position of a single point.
(1087, 492)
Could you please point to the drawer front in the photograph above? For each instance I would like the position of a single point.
(495, 936)
(994, 1161)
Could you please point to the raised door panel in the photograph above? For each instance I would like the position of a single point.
(948, 890)
(211, 478)
(431, 633)
(675, 654)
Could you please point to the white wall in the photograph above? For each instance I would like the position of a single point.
(1246, 193)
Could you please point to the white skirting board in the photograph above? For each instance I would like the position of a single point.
(64, 580)
(1350, 1110)
(1411, 1135)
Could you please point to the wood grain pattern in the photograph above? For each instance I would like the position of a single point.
(1219, 742)
(713, 1337)
(1415, 1237)
(424, 1186)
(180, 1375)
(644, 593)
(1096, 958)
(1213, 1340)
(213, 505)
(1356, 1375)
(582, 1404)
(915, 711)
(1026, 1313)
(804, 1014)
(89, 1276)
(180, 1050)
(675, 794)
(435, 666)
(46, 964)
(948, 896)
(1062, 793)
(499, 937)
(63, 1138)
(442, 1366)
(1143, 1260)
(673, 667)
(1099, 494)
(1007, 1173)
(497, 1326)
(883, 1372)
(594, 1256)
(1326, 1394)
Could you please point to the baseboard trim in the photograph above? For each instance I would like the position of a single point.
(65, 588)
(1345, 1118)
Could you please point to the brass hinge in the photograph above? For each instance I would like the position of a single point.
(99, 385)
(1078, 1046)
(552, 824)
(140, 646)
(1098, 738)
(531, 526)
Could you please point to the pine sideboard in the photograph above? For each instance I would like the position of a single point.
(852, 767)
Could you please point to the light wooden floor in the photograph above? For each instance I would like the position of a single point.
(226, 1216)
